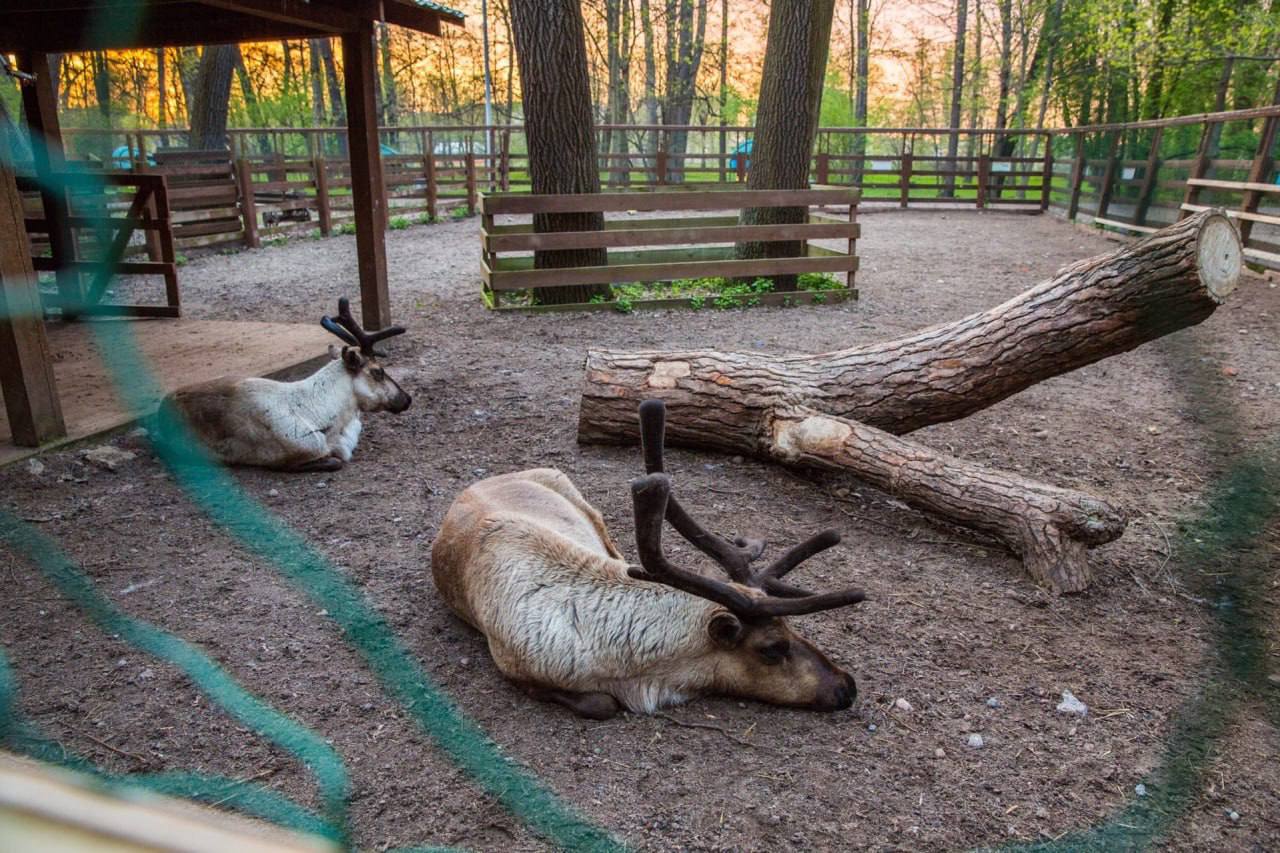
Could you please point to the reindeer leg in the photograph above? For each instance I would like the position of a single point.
(324, 463)
(593, 706)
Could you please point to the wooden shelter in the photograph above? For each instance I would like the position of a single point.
(34, 29)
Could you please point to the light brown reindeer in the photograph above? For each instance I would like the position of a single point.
(527, 561)
(309, 425)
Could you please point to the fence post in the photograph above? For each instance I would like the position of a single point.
(1258, 171)
(660, 162)
(984, 178)
(471, 184)
(248, 207)
(905, 179)
(321, 169)
(506, 161)
(1109, 175)
(740, 166)
(824, 168)
(1199, 167)
(1148, 188)
(1078, 166)
(429, 174)
(1046, 174)
(724, 153)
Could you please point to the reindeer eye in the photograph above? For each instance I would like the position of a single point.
(776, 652)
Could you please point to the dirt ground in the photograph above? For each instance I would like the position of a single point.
(951, 623)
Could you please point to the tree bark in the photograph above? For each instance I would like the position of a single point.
(864, 76)
(211, 98)
(686, 38)
(552, 54)
(795, 63)
(735, 402)
(650, 101)
(337, 104)
(317, 83)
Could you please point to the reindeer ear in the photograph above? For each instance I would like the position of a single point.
(725, 629)
(352, 359)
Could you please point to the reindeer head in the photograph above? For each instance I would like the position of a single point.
(756, 654)
(375, 390)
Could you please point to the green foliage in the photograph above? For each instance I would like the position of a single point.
(818, 281)
(458, 214)
(425, 219)
(347, 228)
(398, 223)
(181, 259)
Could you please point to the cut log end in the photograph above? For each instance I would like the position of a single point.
(1220, 255)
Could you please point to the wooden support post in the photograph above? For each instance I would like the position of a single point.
(1199, 168)
(433, 191)
(1148, 188)
(1259, 170)
(661, 167)
(367, 195)
(1046, 173)
(321, 168)
(164, 241)
(506, 161)
(40, 104)
(984, 178)
(248, 205)
(26, 366)
(471, 184)
(154, 211)
(905, 180)
(1078, 166)
(1109, 175)
(824, 168)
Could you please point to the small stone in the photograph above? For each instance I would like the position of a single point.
(1230, 371)
(147, 674)
(1274, 679)
(1140, 789)
(975, 741)
(903, 705)
(464, 661)
(871, 727)
(1154, 430)
(737, 460)
(138, 432)
(939, 753)
(774, 820)
(35, 467)
(1234, 815)
(107, 457)
(993, 702)
(1071, 705)
(1041, 812)
(273, 493)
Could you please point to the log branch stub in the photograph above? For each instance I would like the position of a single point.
(1051, 528)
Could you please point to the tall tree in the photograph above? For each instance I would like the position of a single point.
(618, 107)
(957, 94)
(1006, 67)
(317, 82)
(162, 91)
(795, 63)
(864, 74)
(978, 79)
(686, 38)
(556, 91)
(650, 100)
(337, 106)
(250, 96)
(390, 99)
(211, 97)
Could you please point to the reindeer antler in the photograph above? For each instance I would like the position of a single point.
(350, 332)
(654, 503)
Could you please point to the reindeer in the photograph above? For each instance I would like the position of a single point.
(524, 559)
(309, 425)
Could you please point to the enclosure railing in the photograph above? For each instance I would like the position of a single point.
(1133, 177)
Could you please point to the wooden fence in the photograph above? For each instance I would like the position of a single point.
(706, 243)
(1130, 177)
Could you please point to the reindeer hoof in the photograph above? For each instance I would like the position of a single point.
(593, 706)
(324, 463)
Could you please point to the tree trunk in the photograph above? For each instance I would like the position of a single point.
(250, 100)
(162, 92)
(864, 71)
(188, 69)
(337, 105)
(317, 83)
(795, 63)
(686, 37)
(749, 403)
(556, 92)
(391, 98)
(957, 93)
(979, 82)
(1006, 70)
(650, 88)
(212, 95)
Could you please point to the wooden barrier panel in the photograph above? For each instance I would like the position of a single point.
(690, 255)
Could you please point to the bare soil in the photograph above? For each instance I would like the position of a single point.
(950, 623)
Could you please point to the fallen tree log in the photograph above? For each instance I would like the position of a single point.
(1098, 307)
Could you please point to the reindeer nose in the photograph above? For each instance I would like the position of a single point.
(846, 692)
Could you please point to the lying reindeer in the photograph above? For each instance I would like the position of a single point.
(309, 425)
(528, 562)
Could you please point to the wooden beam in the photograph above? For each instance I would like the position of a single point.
(26, 367)
(367, 197)
(331, 18)
(175, 25)
(40, 104)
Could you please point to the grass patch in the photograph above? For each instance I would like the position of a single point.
(398, 223)
(714, 292)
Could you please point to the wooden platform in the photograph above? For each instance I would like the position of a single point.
(180, 352)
